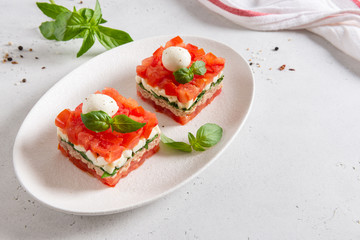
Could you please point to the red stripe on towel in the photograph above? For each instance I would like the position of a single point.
(241, 12)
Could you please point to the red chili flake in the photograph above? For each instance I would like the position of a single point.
(282, 67)
(30, 49)
(43, 67)
(14, 62)
(291, 69)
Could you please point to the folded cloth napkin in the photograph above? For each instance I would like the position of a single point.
(338, 21)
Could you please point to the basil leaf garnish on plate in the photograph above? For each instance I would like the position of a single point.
(176, 145)
(207, 136)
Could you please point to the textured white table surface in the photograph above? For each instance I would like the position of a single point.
(293, 171)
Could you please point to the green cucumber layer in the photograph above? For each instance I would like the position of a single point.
(106, 174)
(174, 104)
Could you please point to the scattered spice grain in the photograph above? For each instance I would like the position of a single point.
(276, 48)
(9, 59)
(20, 48)
(282, 67)
(23, 80)
(291, 69)
(14, 62)
(30, 49)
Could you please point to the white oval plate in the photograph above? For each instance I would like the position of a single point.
(55, 181)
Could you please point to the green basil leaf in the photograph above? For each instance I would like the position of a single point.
(183, 75)
(88, 42)
(51, 10)
(96, 18)
(47, 30)
(192, 139)
(68, 26)
(208, 135)
(124, 124)
(105, 175)
(176, 145)
(86, 13)
(197, 147)
(198, 68)
(97, 121)
(102, 21)
(111, 38)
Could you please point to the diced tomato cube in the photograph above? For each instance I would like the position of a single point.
(62, 118)
(176, 41)
(187, 92)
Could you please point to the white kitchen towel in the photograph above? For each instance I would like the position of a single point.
(338, 21)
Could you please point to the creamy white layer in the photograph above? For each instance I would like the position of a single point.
(100, 161)
(161, 92)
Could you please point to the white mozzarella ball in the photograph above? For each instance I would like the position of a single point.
(174, 58)
(100, 102)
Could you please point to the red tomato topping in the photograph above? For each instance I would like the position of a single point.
(107, 144)
(157, 75)
(62, 118)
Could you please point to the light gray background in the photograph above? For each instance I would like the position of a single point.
(293, 171)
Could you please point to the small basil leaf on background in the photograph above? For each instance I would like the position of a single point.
(198, 68)
(176, 145)
(97, 121)
(47, 30)
(51, 10)
(183, 75)
(96, 18)
(102, 21)
(111, 38)
(86, 13)
(71, 25)
(124, 124)
(208, 135)
(67, 26)
(88, 42)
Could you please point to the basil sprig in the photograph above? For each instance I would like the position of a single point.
(185, 75)
(99, 121)
(207, 136)
(83, 23)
